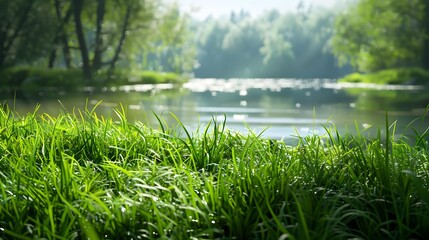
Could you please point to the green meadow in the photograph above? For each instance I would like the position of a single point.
(79, 175)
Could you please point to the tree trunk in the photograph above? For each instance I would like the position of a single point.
(64, 37)
(426, 37)
(122, 39)
(101, 8)
(61, 35)
(77, 10)
(66, 50)
(8, 41)
(2, 47)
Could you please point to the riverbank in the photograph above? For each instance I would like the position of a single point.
(33, 78)
(79, 175)
(411, 76)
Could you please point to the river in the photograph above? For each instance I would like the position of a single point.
(280, 108)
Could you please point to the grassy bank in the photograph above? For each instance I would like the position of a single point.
(80, 176)
(391, 76)
(33, 78)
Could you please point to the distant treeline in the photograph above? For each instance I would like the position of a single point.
(294, 44)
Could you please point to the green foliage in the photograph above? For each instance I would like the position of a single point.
(376, 35)
(81, 176)
(391, 76)
(172, 48)
(33, 78)
(156, 77)
(25, 31)
(128, 77)
(272, 45)
(94, 36)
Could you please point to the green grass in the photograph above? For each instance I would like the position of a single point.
(391, 76)
(33, 78)
(81, 176)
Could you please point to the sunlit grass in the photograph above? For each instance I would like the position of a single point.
(81, 176)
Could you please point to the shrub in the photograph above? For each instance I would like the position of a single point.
(391, 76)
(33, 78)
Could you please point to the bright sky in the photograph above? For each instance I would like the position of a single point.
(203, 8)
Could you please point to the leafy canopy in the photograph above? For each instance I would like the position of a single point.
(375, 35)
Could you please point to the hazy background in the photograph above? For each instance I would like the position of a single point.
(265, 63)
(203, 9)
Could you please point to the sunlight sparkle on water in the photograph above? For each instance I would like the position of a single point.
(273, 85)
(134, 107)
(239, 117)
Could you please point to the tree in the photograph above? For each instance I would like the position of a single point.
(123, 34)
(375, 35)
(242, 46)
(276, 45)
(61, 38)
(172, 47)
(209, 43)
(92, 34)
(77, 11)
(24, 26)
(121, 29)
(11, 27)
(426, 37)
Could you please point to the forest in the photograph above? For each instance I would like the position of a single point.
(91, 37)
(274, 45)
(100, 36)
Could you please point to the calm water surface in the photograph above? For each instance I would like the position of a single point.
(282, 108)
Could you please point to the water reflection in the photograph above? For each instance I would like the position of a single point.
(279, 107)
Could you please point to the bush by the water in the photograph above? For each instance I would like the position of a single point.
(31, 78)
(391, 76)
(81, 176)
